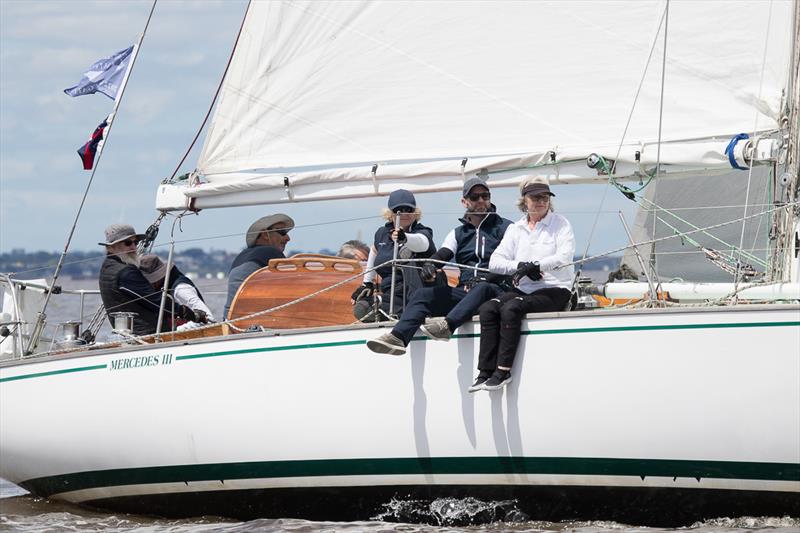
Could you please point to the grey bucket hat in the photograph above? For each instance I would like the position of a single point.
(263, 224)
(153, 268)
(119, 232)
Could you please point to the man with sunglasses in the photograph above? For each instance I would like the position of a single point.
(266, 239)
(472, 244)
(123, 287)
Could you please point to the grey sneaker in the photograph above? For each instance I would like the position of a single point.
(483, 375)
(498, 380)
(388, 344)
(436, 329)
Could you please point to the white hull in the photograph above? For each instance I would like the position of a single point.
(705, 401)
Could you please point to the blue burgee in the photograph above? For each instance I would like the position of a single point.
(104, 76)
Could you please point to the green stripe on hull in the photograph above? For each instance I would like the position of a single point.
(54, 372)
(47, 486)
(459, 336)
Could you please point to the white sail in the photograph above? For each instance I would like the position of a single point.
(322, 91)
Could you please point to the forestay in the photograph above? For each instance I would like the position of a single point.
(318, 93)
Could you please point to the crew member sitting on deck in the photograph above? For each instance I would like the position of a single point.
(266, 239)
(415, 241)
(471, 243)
(354, 249)
(124, 288)
(181, 288)
(536, 251)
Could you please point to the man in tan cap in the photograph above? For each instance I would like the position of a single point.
(266, 239)
(124, 288)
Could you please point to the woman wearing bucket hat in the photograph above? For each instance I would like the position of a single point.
(415, 240)
(536, 251)
(181, 288)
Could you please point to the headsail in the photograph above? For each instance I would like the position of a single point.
(319, 93)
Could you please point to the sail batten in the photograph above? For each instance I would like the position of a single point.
(325, 84)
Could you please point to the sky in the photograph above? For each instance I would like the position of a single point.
(46, 45)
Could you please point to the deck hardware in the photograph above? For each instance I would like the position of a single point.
(288, 189)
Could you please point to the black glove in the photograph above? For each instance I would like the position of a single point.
(401, 236)
(366, 290)
(200, 316)
(531, 270)
(471, 282)
(185, 312)
(428, 271)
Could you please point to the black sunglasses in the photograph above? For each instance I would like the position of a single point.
(403, 209)
(128, 242)
(478, 195)
(282, 232)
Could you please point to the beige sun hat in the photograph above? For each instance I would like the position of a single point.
(263, 224)
(119, 232)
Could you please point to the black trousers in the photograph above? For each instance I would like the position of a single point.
(501, 321)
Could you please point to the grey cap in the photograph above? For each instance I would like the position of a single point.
(402, 198)
(152, 267)
(263, 224)
(119, 232)
(473, 182)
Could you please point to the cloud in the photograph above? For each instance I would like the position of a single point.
(15, 169)
(149, 106)
(188, 59)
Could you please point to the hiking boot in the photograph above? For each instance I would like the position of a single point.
(483, 375)
(388, 344)
(436, 329)
(498, 380)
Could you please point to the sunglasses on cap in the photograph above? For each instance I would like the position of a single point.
(478, 196)
(403, 209)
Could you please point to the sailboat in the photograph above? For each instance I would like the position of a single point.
(681, 407)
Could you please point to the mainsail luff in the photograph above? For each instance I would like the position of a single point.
(319, 93)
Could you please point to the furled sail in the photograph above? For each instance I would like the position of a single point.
(348, 99)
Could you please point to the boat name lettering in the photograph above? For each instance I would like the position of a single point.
(141, 362)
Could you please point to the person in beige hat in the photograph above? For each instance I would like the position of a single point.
(266, 239)
(123, 287)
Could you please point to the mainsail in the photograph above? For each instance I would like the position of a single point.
(349, 99)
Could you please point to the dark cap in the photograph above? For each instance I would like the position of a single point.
(400, 198)
(473, 182)
(536, 188)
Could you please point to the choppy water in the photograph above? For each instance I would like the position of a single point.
(19, 511)
(24, 513)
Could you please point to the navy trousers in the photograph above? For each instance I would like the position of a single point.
(501, 322)
(456, 304)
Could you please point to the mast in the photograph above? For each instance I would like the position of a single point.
(786, 222)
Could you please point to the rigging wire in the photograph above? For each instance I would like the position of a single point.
(754, 142)
(118, 101)
(625, 131)
(213, 100)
